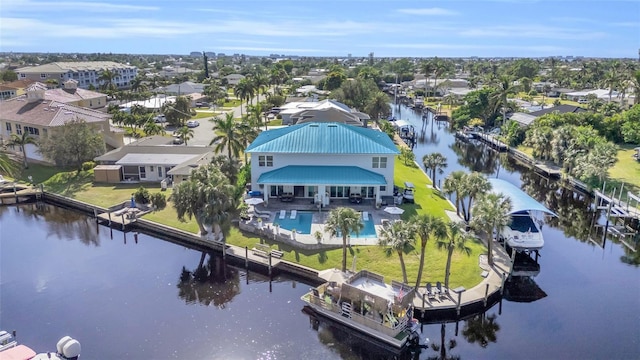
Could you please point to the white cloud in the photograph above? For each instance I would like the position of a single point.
(76, 6)
(428, 11)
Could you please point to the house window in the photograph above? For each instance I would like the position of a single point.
(8, 128)
(143, 172)
(32, 130)
(22, 76)
(379, 162)
(18, 129)
(160, 172)
(43, 76)
(265, 160)
(150, 168)
(383, 188)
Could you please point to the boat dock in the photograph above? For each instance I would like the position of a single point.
(622, 217)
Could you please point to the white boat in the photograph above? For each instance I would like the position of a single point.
(365, 303)
(67, 349)
(523, 233)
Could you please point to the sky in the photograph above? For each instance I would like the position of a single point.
(388, 28)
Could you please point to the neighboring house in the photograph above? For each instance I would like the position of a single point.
(14, 88)
(154, 104)
(322, 111)
(310, 89)
(72, 95)
(233, 79)
(86, 73)
(525, 119)
(323, 161)
(557, 92)
(34, 114)
(186, 87)
(151, 159)
(599, 93)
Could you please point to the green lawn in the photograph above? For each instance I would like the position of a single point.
(231, 103)
(204, 114)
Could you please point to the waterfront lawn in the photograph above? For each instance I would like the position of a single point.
(427, 199)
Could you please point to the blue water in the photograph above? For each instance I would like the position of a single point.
(302, 222)
(369, 230)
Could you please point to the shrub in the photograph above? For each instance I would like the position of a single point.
(88, 165)
(142, 195)
(159, 200)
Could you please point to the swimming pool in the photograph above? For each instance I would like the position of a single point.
(302, 222)
(369, 230)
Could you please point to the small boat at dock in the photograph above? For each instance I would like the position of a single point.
(67, 348)
(365, 303)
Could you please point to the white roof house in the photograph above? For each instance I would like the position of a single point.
(322, 111)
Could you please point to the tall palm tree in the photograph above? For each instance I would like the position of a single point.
(243, 91)
(261, 83)
(504, 86)
(635, 81)
(399, 237)
(21, 141)
(454, 184)
(185, 134)
(474, 184)
(425, 226)
(490, 214)
(106, 78)
(246, 135)
(343, 221)
(427, 68)
(456, 239)
(435, 162)
(539, 138)
(137, 84)
(227, 135)
(151, 128)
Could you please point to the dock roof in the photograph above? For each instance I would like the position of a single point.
(520, 200)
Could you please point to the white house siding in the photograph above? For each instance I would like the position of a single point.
(361, 161)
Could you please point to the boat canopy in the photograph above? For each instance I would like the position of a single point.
(520, 200)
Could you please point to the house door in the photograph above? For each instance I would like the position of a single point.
(298, 191)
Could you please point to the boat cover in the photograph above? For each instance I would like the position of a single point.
(520, 200)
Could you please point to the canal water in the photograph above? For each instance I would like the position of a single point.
(61, 274)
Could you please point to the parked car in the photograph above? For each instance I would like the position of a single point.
(583, 101)
(193, 123)
(160, 118)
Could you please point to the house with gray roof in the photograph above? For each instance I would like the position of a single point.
(151, 159)
(321, 161)
(184, 88)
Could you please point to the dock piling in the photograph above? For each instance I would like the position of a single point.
(504, 279)
(246, 257)
(269, 264)
(486, 295)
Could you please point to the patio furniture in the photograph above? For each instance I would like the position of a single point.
(440, 291)
(283, 213)
(430, 294)
(294, 213)
(365, 215)
(385, 222)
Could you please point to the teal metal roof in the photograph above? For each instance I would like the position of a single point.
(323, 138)
(321, 175)
(520, 200)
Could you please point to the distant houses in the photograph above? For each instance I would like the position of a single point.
(525, 119)
(321, 111)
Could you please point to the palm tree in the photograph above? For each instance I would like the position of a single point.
(207, 197)
(635, 81)
(261, 83)
(474, 185)
(185, 133)
(425, 226)
(243, 91)
(399, 237)
(378, 106)
(227, 135)
(106, 77)
(7, 165)
(454, 184)
(455, 239)
(246, 135)
(435, 162)
(490, 214)
(22, 141)
(137, 84)
(343, 221)
(504, 86)
(151, 128)
(427, 68)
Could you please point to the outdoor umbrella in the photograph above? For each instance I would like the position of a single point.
(393, 210)
(253, 201)
(333, 275)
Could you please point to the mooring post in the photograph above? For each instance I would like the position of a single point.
(224, 248)
(269, 264)
(246, 257)
(459, 303)
(15, 192)
(486, 295)
(504, 279)
(109, 213)
(513, 260)
(122, 221)
(423, 306)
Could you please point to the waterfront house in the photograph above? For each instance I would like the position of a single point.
(321, 111)
(87, 73)
(34, 114)
(321, 161)
(151, 159)
(525, 119)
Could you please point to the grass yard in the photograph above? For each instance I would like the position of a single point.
(427, 200)
(232, 103)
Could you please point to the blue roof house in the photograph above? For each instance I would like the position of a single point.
(323, 161)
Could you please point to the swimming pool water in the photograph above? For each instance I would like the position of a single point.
(369, 230)
(302, 222)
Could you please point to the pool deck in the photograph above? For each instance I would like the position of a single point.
(320, 217)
